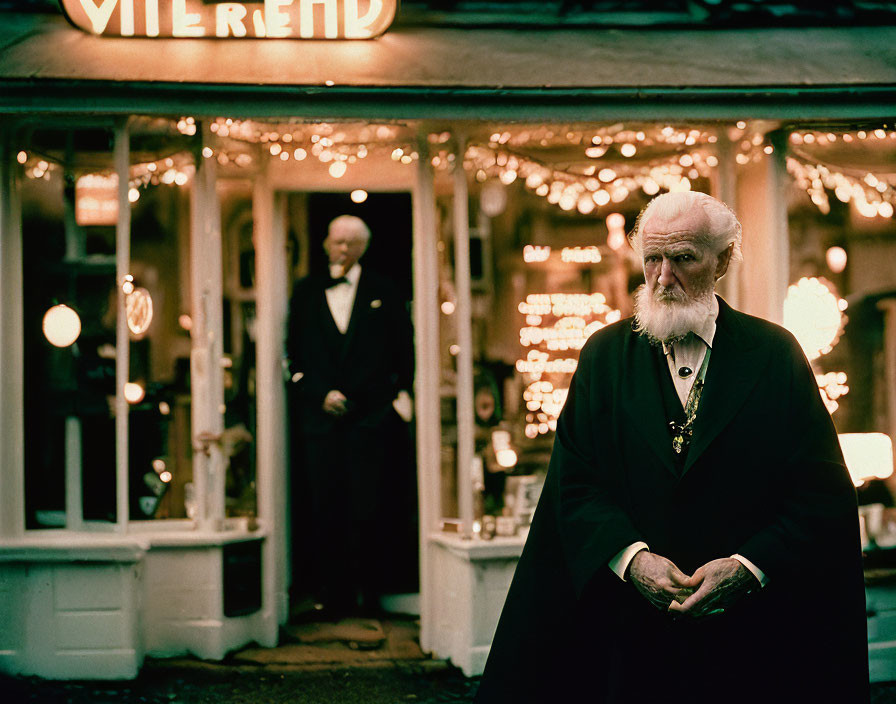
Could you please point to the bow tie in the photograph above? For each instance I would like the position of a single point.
(336, 281)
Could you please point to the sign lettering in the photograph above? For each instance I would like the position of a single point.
(275, 19)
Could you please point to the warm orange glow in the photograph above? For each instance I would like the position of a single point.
(812, 313)
(96, 199)
(868, 456)
(300, 19)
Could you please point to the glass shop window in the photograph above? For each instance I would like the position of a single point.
(237, 227)
(70, 306)
(160, 454)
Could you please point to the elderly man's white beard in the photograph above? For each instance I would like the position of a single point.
(667, 316)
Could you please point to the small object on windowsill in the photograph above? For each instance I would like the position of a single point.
(505, 526)
(487, 532)
(451, 525)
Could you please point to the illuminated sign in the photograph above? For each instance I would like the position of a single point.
(96, 199)
(275, 19)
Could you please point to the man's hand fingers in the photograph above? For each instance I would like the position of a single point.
(692, 601)
(679, 577)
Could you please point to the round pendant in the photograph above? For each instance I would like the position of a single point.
(685, 372)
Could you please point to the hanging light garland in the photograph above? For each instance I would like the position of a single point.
(872, 194)
(670, 159)
(331, 144)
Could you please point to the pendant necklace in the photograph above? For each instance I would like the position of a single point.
(681, 432)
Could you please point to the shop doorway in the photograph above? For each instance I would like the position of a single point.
(396, 560)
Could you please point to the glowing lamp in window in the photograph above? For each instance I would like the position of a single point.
(813, 313)
(868, 456)
(61, 325)
(493, 199)
(133, 392)
(138, 304)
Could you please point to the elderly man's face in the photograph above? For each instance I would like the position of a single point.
(677, 266)
(344, 247)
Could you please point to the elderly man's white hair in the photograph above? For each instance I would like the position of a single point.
(350, 223)
(717, 228)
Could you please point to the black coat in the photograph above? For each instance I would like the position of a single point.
(369, 364)
(764, 478)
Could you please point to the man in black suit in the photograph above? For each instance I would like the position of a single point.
(697, 538)
(350, 355)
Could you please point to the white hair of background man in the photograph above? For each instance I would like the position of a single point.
(724, 228)
(352, 225)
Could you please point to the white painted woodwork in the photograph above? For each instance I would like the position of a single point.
(724, 187)
(473, 577)
(762, 211)
(272, 427)
(206, 373)
(466, 426)
(426, 381)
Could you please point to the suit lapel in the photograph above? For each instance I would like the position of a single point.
(735, 365)
(642, 398)
(326, 315)
(360, 307)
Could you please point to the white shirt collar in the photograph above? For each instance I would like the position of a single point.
(354, 274)
(705, 332)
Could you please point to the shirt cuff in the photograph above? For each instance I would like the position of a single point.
(619, 564)
(757, 573)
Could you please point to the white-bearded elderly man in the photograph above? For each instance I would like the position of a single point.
(697, 539)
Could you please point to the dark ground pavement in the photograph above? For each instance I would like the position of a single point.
(355, 661)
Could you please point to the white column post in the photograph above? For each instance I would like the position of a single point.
(12, 431)
(206, 374)
(762, 210)
(272, 429)
(465, 421)
(426, 383)
(724, 187)
(122, 155)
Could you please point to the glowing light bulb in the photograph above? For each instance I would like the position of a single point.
(615, 221)
(601, 197)
(506, 458)
(61, 325)
(337, 169)
(133, 392)
(836, 259)
(358, 195)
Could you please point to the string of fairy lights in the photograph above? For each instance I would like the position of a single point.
(872, 194)
(579, 170)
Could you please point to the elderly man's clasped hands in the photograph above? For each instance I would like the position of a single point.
(712, 588)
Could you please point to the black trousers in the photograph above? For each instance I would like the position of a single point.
(342, 473)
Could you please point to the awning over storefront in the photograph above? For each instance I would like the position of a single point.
(437, 72)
